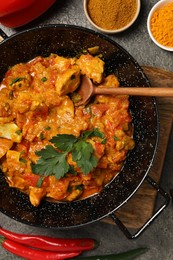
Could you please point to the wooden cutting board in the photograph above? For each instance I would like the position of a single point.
(141, 206)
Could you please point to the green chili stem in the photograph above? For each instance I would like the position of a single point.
(129, 255)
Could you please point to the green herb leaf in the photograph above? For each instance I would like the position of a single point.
(72, 170)
(82, 154)
(22, 160)
(47, 128)
(42, 136)
(18, 132)
(94, 132)
(79, 187)
(51, 162)
(115, 138)
(17, 80)
(53, 159)
(44, 79)
(104, 141)
(88, 110)
(64, 142)
(11, 94)
(39, 182)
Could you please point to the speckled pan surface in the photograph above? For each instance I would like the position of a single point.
(71, 40)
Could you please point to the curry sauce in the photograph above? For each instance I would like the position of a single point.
(36, 105)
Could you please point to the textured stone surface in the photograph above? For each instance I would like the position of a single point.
(158, 236)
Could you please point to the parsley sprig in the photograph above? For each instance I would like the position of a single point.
(53, 159)
(15, 80)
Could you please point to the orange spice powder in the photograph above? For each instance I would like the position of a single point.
(112, 14)
(162, 25)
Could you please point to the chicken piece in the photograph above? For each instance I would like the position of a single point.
(35, 195)
(21, 83)
(74, 195)
(5, 145)
(94, 50)
(5, 105)
(66, 110)
(98, 147)
(13, 156)
(68, 81)
(111, 81)
(62, 64)
(93, 67)
(23, 102)
(58, 188)
(17, 182)
(11, 131)
(18, 77)
(99, 177)
(14, 166)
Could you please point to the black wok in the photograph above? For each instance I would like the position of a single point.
(70, 41)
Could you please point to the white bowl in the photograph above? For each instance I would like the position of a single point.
(85, 4)
(154, 8)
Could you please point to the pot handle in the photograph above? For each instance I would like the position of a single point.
(161, 208)
(3, 35)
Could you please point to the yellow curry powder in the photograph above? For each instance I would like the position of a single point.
(162, 25)
(111, 14)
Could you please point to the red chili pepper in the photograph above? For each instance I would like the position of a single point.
(33, 254)
(51, 244)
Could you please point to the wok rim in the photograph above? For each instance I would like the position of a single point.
(138, 67)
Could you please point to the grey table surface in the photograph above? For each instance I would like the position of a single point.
(158, 236)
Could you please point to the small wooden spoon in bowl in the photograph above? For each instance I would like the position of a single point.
(87, 89)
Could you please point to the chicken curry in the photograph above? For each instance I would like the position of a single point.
(50, 148)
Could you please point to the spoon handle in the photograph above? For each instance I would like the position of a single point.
(135, 91)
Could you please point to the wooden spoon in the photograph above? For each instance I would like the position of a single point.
(87, 89)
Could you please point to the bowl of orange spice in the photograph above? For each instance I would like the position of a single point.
(110, 16)
(160, 24)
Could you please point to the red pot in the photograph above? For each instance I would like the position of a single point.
(15, 13)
